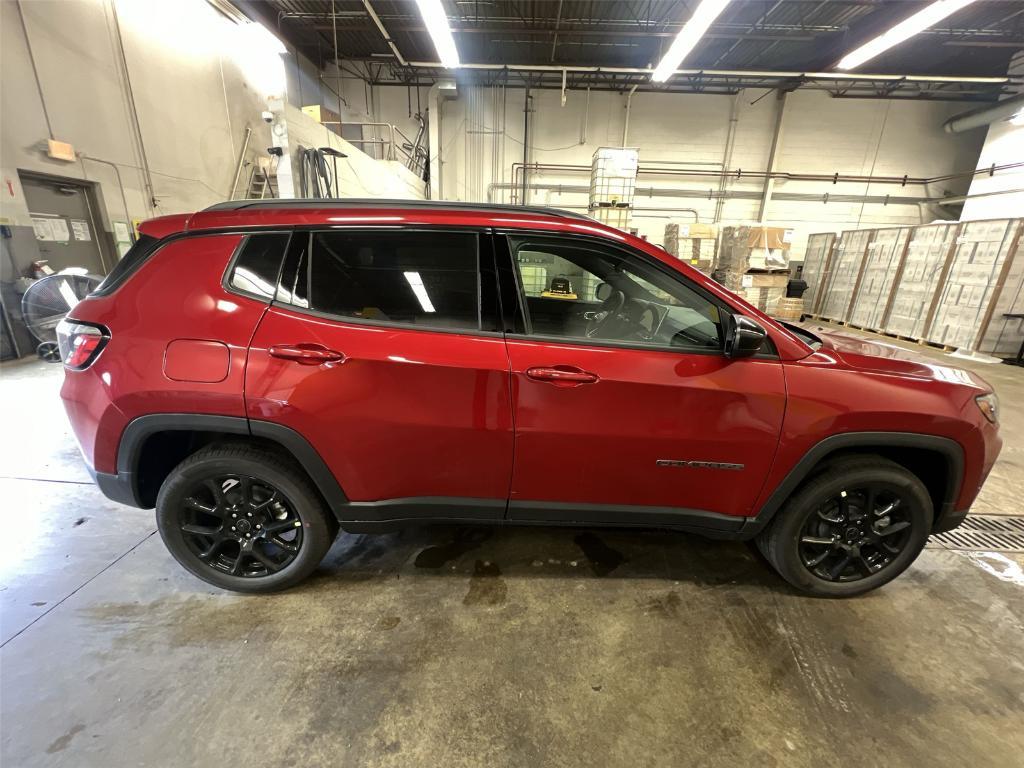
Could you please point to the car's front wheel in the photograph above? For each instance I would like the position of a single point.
(243, 518)
(850, 529)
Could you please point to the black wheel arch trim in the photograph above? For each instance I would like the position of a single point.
(123, 486)
(951, 450)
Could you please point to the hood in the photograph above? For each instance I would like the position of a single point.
(881, 357)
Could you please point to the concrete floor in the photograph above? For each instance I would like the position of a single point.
(469, 647)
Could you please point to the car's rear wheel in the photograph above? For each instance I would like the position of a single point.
(851, 529)
(243, 518)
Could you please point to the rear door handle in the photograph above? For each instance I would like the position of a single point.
(306, 354)
(562, 375)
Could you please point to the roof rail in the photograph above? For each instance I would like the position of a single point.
(439, 205)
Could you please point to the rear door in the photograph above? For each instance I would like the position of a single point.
(626, 409)
(381, 349)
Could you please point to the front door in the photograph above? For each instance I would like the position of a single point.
(626, 409)
(381, 349)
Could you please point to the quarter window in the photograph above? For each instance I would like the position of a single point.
(420, 278)
(579, 289)
(259, 260)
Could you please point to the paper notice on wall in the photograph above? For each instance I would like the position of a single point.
(787, 236)
(122, 233)
(747, 281)
(59, 228)
(80, 229)
(41, 226)
(684, 230)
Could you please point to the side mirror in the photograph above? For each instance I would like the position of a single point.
(603, 291)
(744, 337)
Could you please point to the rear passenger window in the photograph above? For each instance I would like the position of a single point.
(428, 279)
(258, 262)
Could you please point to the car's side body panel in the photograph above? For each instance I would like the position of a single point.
(176, 295)
(658, 428)
(827, 397)
(407, 413)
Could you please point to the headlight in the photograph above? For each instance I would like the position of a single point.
(989, 405)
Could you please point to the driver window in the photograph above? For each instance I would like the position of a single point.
(578, 289)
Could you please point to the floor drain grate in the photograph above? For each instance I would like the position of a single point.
(984, 533)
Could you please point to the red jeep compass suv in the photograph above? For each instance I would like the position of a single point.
(266, 372)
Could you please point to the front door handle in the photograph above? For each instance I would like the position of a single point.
(562, 375)
(306, 354)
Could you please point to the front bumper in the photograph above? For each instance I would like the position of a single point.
(949, 520)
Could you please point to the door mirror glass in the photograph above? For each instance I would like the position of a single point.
(602, 292)
(744, 337)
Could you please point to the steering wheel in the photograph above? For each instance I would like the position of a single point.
(610, 308)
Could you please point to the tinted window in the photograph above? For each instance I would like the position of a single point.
(258, 262)
(420, 278)
(579, 289)
(134, 258)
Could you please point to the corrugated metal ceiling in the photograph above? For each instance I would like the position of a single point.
(790, 35)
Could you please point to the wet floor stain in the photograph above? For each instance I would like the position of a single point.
(849, 651)
(79, 521)
(486, 587)
(602, 558)
(465, 541)
(388, 622)
(39, 603)
(666, 606)
(61, 743)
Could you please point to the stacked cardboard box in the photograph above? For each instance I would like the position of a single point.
(693, 243)
(753, 261)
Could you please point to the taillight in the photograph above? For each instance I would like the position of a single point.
(80, 344)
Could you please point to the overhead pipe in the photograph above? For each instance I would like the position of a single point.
(730, 143)
(384, 33)
(625, 125)
(979, 118)
(739, 174)
(443, 89)
(773, 153)
(711, 194)
(766, 74)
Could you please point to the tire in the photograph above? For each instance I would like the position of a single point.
(260, 492)
(838, 503)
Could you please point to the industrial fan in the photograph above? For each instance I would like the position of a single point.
(47, 301)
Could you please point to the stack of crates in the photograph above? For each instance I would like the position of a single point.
(612, 185)
(753, 261)
(816, 256)
(693, 243)
(954, 285)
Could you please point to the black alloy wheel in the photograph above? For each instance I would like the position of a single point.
(856, 524)
(241, 525)
(855, 534)
(244, 517)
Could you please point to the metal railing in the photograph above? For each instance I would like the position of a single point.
(394, 145)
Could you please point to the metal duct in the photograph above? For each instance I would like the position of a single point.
(981, 117)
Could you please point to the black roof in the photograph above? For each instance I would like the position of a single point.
(368, 202)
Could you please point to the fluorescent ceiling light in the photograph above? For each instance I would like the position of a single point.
(416, 283)
(261, 38)
(920, 21)
(688, 37)
(437, 25)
